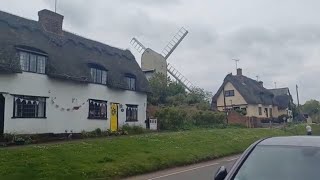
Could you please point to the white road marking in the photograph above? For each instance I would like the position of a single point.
(178, 172)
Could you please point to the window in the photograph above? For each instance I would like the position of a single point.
(97, 109)
(270, 112)
(260, 111)
(132, 113)
(131, 81)
(29, 107)
(31, 62)
(229, 93)
(266, 111)
(98, 76)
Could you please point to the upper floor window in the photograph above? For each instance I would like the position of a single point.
(32, 62)
(131, 82)
(229, 93)
(98, 75)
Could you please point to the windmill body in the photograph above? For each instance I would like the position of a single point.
(153, 62)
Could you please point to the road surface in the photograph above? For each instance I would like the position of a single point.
(201, 171)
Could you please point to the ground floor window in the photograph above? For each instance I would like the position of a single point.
(260, 110)
(132, 113)
(29, 107)
(97, 109)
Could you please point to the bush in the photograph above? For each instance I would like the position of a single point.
(208, 118)
(127, 129)
(98, 131)
(171, 118)
(181, 118)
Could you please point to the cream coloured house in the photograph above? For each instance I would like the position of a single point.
(241, 92)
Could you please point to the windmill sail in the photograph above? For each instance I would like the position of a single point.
(137, 45)
(180, 78)
(151, 60)
(173, 44)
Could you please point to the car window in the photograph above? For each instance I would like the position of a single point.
(281, 163)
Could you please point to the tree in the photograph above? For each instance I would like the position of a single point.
(158, 86)
(168, 92)
(311, 107)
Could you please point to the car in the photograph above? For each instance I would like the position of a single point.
(277, 158)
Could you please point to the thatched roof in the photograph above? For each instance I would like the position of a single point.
(68, 54)
(254, 93)
(251, 90)
(282, 97)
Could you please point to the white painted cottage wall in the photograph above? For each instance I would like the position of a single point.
(58, 121)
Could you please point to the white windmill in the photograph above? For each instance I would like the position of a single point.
(153, 62)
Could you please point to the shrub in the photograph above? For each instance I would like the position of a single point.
(171, 118)
(181, 118)
(208, 118)
(98, 131)
(127, 129)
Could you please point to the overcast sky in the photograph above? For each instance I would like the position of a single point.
(277, 40)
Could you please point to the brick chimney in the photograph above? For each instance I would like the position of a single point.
(260, 83)
(239, 72)
(51, 21)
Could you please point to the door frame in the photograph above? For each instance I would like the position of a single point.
(117, 105)
(3, 102)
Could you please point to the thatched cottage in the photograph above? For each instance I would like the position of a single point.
(52, 81)
(239, 92)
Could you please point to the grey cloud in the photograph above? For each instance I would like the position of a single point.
(278, 42)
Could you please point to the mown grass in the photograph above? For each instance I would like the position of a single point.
(300, 129)
(124, 156)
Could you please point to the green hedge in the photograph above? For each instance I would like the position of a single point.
(180, 118)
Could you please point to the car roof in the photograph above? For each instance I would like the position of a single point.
(311, 141)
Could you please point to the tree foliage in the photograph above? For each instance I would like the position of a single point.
(312, 108)
(168, 92)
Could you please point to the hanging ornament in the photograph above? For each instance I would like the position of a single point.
(37, 102)
(27, 101)
(76, 108)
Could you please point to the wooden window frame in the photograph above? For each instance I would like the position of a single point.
(94, 79)
(25, 117)
(37, 55)
(260, 111)
(129, 81)
(136, 107)
(229, 93)
(95, 117)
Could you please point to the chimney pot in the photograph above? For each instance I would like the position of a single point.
(239, 72)
(260, 83)
(51, 21)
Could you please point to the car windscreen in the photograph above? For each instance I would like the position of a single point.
(281, 163)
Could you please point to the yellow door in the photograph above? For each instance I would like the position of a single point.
(114, 117)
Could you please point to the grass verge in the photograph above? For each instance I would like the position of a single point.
(125, 156)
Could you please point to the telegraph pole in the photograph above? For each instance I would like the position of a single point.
(297, 95)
